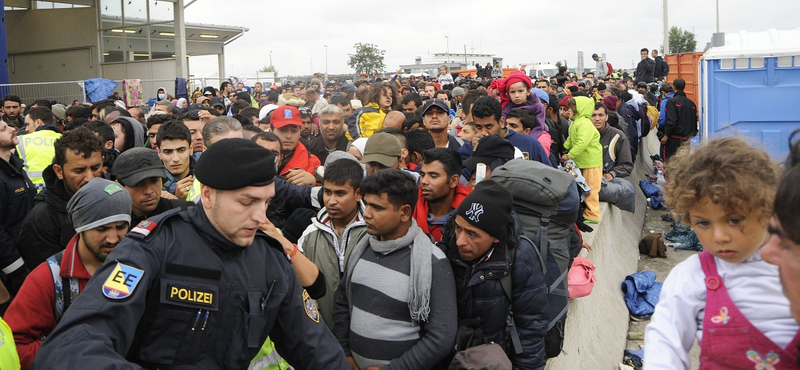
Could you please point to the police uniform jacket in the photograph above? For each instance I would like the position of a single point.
(176, 294)
(16, 200)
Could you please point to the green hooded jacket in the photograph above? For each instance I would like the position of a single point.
(583, 144)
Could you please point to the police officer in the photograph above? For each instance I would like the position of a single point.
(200, 288)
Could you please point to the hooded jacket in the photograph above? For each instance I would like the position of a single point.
(540, 131)
(422, 209)
(583, 143)
(371, 122)
(47, 229)
(134, 132)
(479, 293)
(320, 244)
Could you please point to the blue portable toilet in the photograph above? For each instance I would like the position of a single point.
(750, 87)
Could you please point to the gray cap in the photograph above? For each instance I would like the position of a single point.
(458, 91)
(348, 88)
(98, 203)
(137, 164)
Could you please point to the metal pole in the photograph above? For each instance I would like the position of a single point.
(717, 16)
(448, 49)
(326, 62)
(666, 30)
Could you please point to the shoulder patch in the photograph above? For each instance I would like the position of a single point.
(144, 228)
(111, 189)
(122, 281)
(311, 307)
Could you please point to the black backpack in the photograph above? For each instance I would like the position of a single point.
(354, 120)
(547, 202)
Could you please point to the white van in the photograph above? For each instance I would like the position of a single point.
(542, 70)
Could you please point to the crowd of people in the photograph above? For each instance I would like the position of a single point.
(352, 225)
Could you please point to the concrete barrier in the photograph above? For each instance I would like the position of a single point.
(597, 325)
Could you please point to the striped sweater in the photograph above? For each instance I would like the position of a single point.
(379, 330)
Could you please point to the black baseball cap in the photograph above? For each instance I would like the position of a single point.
(434, 102)
(490, 148)
(217, 101)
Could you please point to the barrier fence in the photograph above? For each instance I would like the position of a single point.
(63, 92)
(66, 92)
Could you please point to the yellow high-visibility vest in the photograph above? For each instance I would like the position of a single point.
(37, 150)
(9, 359)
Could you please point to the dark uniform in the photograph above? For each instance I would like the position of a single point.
(207, 304)
(16, 200)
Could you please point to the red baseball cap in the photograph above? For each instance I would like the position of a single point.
(284, 116)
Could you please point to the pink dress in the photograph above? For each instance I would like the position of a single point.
(730, 341)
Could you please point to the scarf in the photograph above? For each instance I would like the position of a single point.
(419, 290)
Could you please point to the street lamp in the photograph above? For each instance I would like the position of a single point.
(326, 62)
(448, 49)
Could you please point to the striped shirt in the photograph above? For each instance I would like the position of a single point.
(381, 330)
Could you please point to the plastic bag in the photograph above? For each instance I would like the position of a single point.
(648, 189)
(684, 235)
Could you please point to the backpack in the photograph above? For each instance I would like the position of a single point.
(547, 202)
(610, 68)
(63, 297)
(581, 278)
(354, 121)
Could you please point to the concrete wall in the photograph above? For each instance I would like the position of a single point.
(52, 44)
(597, 325)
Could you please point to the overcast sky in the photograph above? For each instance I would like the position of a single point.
(522, 32)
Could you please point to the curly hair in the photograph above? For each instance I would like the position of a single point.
(81, 141)
(375, 90)
(728, 172)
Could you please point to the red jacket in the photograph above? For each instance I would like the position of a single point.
(301, 158)
(31, 315)
(421, 212)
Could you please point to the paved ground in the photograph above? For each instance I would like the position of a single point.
(662, 267)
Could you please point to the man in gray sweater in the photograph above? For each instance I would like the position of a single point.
(389, 313)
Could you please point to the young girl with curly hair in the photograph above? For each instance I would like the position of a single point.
(727, 297)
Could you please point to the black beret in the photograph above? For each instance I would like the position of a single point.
(231, 164)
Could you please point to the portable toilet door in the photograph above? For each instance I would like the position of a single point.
(749, 87)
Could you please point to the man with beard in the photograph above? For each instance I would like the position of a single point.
(12, 106)
(439, 190)
(331, 133)
(306, 130)
(141, 173)
(100, 212)
(48, 228)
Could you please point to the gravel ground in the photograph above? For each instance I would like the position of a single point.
(662, 267)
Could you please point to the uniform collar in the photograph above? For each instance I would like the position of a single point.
(209, 233)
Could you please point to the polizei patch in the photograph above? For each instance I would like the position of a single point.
(122, 281)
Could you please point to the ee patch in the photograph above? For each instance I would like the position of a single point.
(122, 281)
